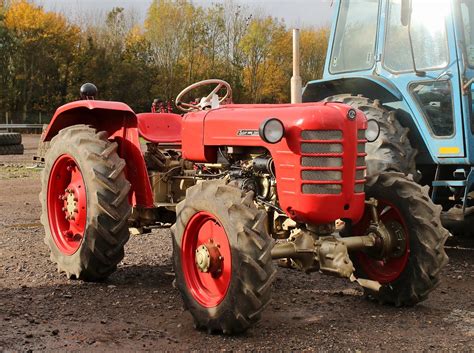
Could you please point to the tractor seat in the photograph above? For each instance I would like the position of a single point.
(164, 128)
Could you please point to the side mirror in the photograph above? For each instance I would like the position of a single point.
(406, 12)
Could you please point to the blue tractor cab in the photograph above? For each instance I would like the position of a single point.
(409, 65)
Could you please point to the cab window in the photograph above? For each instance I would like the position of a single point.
(356, 33)
(435, 101)
(428, 32)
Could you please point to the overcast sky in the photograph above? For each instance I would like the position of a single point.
(294, 12)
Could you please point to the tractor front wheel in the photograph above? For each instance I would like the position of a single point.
(85, 206)
(411, 271)
(222, 257)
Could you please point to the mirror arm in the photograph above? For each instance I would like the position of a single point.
(418, 73)
(465, 87)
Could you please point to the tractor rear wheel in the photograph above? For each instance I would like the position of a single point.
(404, 207)
(85, 206)
(222, 257)
(392, 151)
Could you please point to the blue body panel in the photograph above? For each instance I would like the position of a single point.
(394, 91)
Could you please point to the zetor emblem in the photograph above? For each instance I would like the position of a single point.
(247, 133)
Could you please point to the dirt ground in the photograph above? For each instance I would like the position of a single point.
(138, 309)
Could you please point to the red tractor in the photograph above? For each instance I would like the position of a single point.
(242, 185)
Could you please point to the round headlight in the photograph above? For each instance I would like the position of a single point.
(373, 130)
(272, 130)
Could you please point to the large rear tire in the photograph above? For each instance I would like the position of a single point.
(392, 151)
(236, 288)
(406, 209)
(85, 206)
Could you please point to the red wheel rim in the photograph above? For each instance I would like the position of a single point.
(208, 289)
(384, 271)
(67, 205)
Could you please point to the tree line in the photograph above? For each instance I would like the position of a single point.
(46, 56)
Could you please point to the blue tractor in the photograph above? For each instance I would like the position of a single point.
(409, 65)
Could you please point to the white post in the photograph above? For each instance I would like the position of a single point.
(296, 83)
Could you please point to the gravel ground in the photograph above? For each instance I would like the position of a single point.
(138, 309)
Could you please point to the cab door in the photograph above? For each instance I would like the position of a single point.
(428, 79)
(464, 27)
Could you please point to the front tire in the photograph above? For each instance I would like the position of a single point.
(219, 222)
(85, 206)
(406, 208)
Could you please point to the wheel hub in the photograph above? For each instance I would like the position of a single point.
(390, 240)
(208, 258)
(203, 259)
(385, 261)
(71, 203)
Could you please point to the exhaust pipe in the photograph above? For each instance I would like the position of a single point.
(296, 83)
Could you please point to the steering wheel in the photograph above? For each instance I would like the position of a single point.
(206, 101)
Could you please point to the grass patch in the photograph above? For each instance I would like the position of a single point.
(14, 171)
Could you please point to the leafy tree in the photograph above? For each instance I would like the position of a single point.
(267, 60)
(314, 45)
(44, 57)
(44, 47)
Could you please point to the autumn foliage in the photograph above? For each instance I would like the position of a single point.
(45, 57)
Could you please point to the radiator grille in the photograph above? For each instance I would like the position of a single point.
(360, 174)
(359, 188)
(320, 175)
(323, 148)
(328, 189)
(321, 135)
(327, 145)
(326, 180)
(321, 162)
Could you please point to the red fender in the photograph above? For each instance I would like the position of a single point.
(120, 122)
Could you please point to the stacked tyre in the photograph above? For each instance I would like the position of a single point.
(10, 143)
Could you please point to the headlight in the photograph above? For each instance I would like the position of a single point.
(271, 130)
(373, 130)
